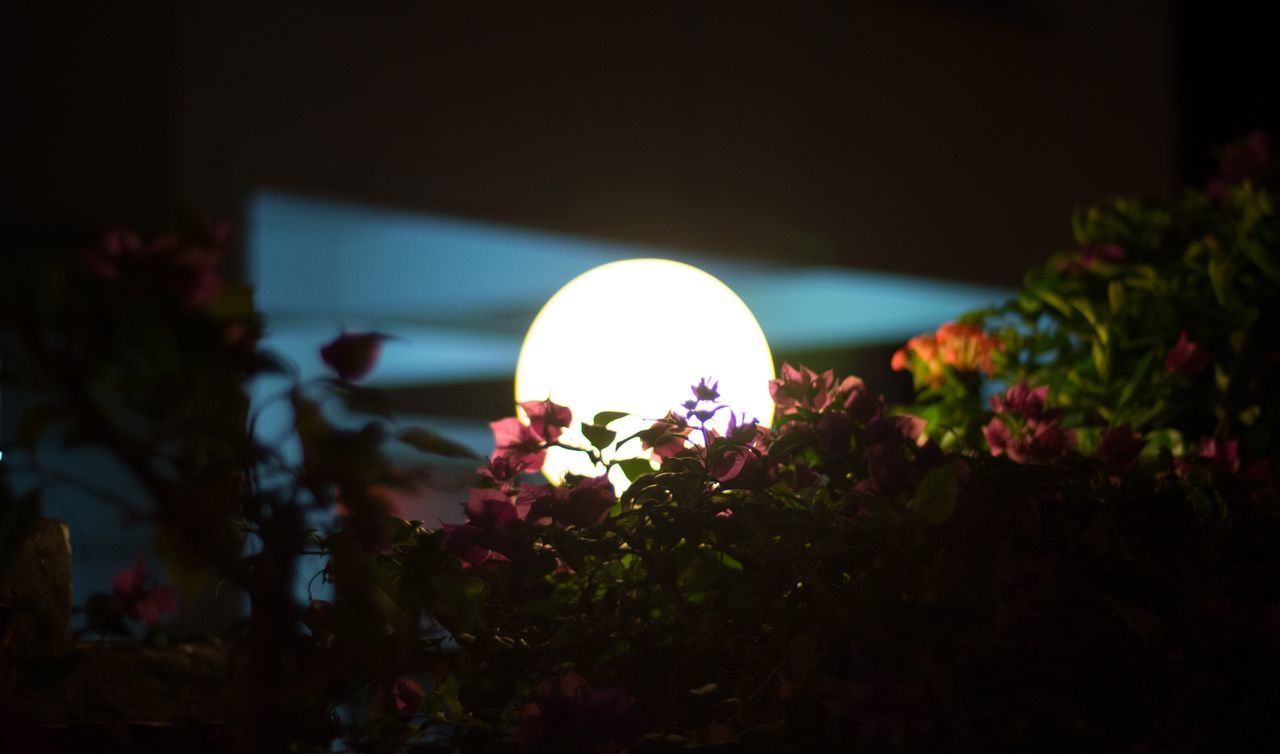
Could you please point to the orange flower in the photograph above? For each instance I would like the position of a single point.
(965, 348)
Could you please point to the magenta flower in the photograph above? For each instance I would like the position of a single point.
(519, 442)
(587, 504)
(1186, 357)
(1092, 253)
(666, 437)
(490, 509)
(568, 715)
(1023, 429)
(1021, 399)
(467, 542)
(803, 389)
(407, 695)
(534, 502)
(503, 469)
(353, 354)
(547, 419)
(1225, 454)
(140, 601)
(1119, 448)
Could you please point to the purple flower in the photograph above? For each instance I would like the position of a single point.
(1186, 357)
(353, 354)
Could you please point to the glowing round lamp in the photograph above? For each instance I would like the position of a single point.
(633, 336)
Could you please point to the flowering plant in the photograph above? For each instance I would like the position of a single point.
(1070, 541)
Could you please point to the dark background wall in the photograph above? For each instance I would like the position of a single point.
(944, 138)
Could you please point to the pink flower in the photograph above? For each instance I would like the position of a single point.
(467, 543)
(666, 437)
(803, 389)
(1225, 454)
(353, 354)
(1119, 447)
(1092, 253)
(139, 601)
(519, 442)
(587, 504)
(1021, 399)
(1186, 357)
(490, 509)
(407, 695)
(534, 502)
(730, 462)
(547, 419)
(1024, 430)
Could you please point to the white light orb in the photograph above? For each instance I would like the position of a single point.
(634, 336)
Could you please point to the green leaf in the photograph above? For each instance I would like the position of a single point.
(1220, 276)
(429, 442)
(634, 468)
(1259, 255)
(604, 418)
(1115, 296)
(598, 436)
(935, 497)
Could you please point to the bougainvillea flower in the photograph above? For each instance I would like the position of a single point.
(490, 509)
(1186, 357)
(1025, 430)
(535, 501)
(407, 695)
(666, 437)
(137, 599)
(1020, 399)
(1225, 454)
(503, 470)
(547, 419)
(1119, 448)
(834, 431)
(1248, 160)
(803, 388)
(467, 543)
(517, 441)
(568, 715)
(352, 355)
(1092, 253)
(587, 503)
(729, 463)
